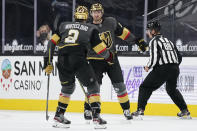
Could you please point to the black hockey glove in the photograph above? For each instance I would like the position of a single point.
(143, 46)
(47, 67)
(179, 55)
(110, 59)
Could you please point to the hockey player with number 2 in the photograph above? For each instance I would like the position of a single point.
(74, 39)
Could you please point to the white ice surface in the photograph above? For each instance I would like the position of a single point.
(35, 121)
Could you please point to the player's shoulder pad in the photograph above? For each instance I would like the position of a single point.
(112, 19)
(62, 24)
(92, 26)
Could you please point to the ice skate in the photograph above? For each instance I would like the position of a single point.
(127, 114)
(61, 122)
(88, 116)
(99, 123)
(138, 114)
(184, 114)
(97, 120)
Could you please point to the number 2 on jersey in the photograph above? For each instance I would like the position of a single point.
(72, 36)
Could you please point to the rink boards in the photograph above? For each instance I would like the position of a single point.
(23, 86)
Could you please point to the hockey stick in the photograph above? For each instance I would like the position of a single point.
(86, 94)
(47, 103)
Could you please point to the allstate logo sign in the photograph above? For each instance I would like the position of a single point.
(6, 69)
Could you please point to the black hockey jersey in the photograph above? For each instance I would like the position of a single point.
(77, 34)
(108, 30)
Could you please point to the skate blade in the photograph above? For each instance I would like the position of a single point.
(140, 117)
(60, 125)
(97, 126)
(128, 121)
(185, 117)
(88, 122)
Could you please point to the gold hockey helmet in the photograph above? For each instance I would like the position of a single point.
(97, 6)
(81, 13)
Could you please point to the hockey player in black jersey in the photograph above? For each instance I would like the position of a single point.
(164, 60)
(109, 28)
(74, 39)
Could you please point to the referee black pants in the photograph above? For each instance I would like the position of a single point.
(157, 77)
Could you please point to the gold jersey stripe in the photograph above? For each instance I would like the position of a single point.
(93, 99)
(55, 38)
(95, 58)
(123, 99)
(100, 47)
(60, 47)
(64, 82)
(124, 34)
(86, 100)
(64, 99)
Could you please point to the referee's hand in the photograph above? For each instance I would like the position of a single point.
(146, 68)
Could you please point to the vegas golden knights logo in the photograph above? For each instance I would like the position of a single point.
(106, 38)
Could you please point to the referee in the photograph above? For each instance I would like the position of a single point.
(164, 60)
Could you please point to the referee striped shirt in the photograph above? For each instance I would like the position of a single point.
(162, 51)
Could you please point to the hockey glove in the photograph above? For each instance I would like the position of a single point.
(143, 46)
(47, 67)
(110, 59)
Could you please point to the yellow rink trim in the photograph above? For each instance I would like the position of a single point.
(77, 106)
